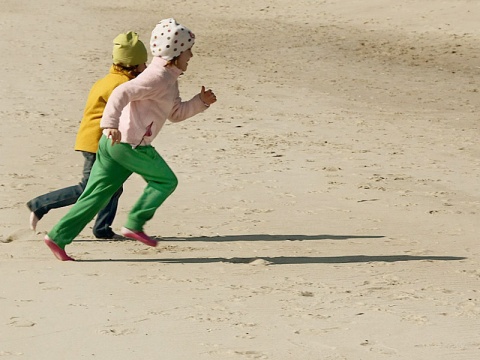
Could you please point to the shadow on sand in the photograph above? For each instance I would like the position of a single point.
(254, 237)
(279, 260)
(267, 237)
(290, 260)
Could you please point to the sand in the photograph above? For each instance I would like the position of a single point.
(328, 205)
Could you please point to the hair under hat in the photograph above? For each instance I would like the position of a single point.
(169, 39)
(128, 50)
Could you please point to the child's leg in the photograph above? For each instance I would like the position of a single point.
(63, 197)
(103, 224)
(105, 179)
(161, 182)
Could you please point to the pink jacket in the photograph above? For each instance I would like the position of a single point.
(140, 107)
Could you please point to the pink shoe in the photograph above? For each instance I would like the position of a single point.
(140, 236)
(59, 253)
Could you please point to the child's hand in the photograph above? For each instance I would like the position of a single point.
(115, 135)
(208, 97)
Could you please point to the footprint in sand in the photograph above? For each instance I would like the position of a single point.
(117, 331)
(17, 322)
(21, 234)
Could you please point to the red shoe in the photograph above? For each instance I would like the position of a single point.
(140, 236)
(59, 253)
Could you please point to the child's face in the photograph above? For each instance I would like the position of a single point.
(183, 59)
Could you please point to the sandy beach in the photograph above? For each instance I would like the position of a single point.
(328, 205)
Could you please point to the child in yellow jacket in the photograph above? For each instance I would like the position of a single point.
(129, 57)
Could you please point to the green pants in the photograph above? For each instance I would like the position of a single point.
(113, 166)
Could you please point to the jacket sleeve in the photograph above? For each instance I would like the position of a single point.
(183, 110)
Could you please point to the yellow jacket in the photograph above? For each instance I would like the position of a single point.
(90, 132)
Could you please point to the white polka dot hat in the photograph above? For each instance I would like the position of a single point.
(169, 39)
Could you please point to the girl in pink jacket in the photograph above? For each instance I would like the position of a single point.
(135, 113)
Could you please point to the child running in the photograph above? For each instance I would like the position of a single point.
(129, 56)
(135, 113)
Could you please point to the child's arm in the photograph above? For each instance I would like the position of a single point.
(184, 109)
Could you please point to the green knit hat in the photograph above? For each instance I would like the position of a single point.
(128, 50)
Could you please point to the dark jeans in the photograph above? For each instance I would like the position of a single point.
(69, 196)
